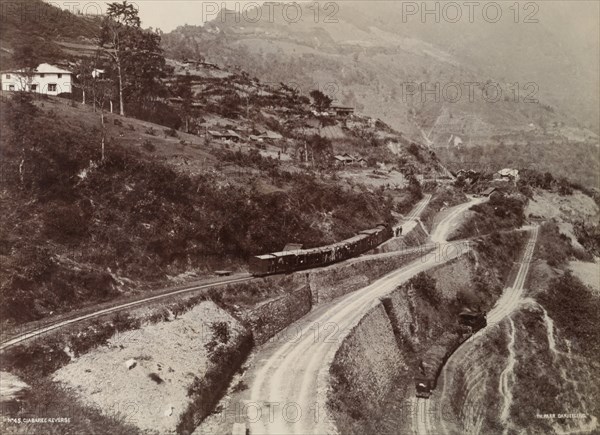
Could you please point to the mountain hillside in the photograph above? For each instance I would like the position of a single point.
(44, 30)
(221, 167)
(370, 63)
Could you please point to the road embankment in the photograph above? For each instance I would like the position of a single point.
(365, 368)
(272, 316)
(372, 374)
(423, 316)
(331, 282)
(171, 369)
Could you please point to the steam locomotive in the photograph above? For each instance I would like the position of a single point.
(290, 261)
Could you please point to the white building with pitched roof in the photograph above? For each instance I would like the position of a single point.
(45, 79)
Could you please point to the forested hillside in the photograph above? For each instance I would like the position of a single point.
(77, 228)
(32, 30)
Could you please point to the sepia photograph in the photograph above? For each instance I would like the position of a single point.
(352, 217)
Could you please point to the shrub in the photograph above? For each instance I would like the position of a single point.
(469, 299)
(588, 236)
(240, 386)
(414, 149)
(576, 311)
(65, 223)
(502, 249)
(553, 246)
(425, 285)
(501, 212)
(151, 131)
(221, 335)
(170, 132)
(206, 392)
(149, 146)
(155, 378)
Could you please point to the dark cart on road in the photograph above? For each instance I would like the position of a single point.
(475, 319)
(424, 386)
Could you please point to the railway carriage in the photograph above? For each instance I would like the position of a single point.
(290, 261)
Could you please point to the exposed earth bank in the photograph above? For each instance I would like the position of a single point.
(372, 384)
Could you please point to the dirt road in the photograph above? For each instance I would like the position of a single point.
(287, 380)
(287, 377)
(452, 219)
(427, 418)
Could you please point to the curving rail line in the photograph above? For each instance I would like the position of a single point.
(47, 328)
(418, 209)
(424, 411)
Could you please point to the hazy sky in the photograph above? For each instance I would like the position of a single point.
(163, 14)
(167, 15)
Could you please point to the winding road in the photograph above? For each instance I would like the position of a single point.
(287, 377)
(426, 412)
(451, 221)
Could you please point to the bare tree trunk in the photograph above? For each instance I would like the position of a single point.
(111, 106)
(83, 99)
(103, 131)
(21, 170)
(121, 105)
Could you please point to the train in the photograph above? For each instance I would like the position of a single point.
(426, 381)
(299, 259)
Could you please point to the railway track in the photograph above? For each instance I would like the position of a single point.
(60, 324)
(23, 337)
(416, 212)
(289, 376)
(424, 419)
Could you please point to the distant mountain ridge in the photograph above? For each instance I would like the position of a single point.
(372, 60)
(365, 56)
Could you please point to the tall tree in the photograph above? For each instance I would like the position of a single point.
(144, 67)
(184, 91)
(136, 56)
(97, 87)
(118, 28)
